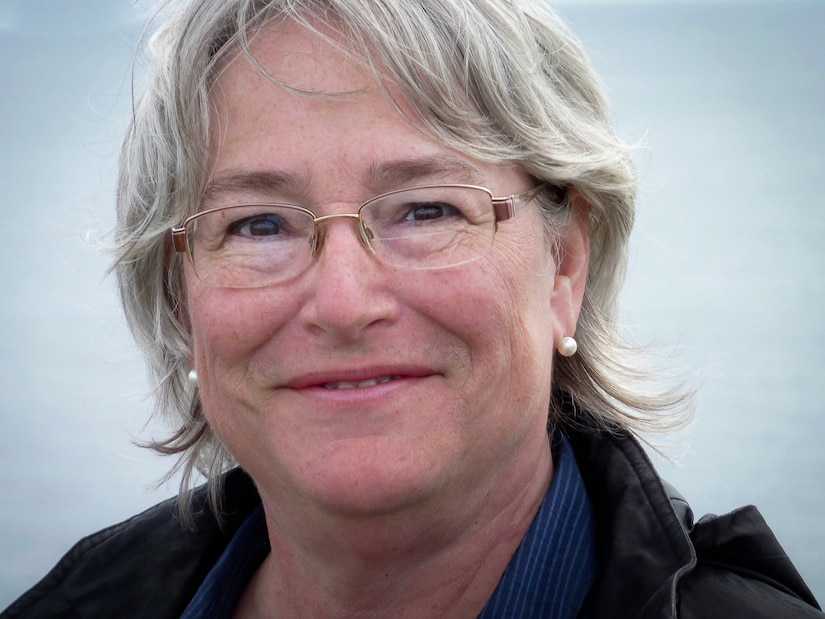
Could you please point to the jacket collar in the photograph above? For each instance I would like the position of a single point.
(645, 546)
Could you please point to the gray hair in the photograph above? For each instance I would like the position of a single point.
(500, 80)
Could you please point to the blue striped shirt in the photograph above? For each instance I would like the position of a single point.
(548, 577)
(555, 564)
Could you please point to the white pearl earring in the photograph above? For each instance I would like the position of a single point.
(192, 377)
(568, 347)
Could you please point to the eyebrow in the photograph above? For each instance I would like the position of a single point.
(380, 176)
(443, 168)
(264, 182)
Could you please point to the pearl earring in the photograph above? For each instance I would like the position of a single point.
(568, 347)
(192, 377)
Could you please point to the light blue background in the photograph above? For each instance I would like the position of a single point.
(727, 260)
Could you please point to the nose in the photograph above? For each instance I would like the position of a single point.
(317, 241)
(350, 292)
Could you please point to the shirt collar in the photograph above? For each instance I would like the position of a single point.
(556, 563)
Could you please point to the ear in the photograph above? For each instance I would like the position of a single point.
(572, 261)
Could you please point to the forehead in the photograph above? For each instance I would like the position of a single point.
(307, 109)
(303, 59)
(298, 86)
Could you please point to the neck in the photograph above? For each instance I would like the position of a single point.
(437, 560)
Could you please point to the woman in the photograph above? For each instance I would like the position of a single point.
(373, 252)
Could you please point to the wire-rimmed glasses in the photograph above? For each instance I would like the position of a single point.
(426, 227)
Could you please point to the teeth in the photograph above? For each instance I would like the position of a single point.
(346, 384)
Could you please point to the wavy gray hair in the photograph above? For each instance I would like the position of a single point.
(500, 80)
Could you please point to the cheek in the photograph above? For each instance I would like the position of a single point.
(523, 289)
(501, 311)
(228, 326)
(524, 268)
(528, 325)
(229, 330)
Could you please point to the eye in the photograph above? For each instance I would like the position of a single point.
(257, 225)
(427, 211)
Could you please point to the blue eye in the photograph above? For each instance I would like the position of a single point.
(427, 211)
(257, 225)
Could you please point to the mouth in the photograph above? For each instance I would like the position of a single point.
(360, 384)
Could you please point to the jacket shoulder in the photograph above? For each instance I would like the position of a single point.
(656, 562)
(147, 566)
(742, 571)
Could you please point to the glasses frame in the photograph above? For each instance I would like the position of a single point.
(504, 208)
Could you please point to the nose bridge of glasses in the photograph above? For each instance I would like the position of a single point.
(363, 232)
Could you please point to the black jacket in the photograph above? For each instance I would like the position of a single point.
(655, 563)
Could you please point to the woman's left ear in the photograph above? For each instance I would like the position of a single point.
(572, 261)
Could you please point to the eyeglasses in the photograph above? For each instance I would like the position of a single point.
(427, 227)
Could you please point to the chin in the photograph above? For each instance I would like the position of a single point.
(364, 478)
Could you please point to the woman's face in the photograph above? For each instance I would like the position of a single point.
(357, 387)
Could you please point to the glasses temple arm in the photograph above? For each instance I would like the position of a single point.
(179, 239)
(506, 208)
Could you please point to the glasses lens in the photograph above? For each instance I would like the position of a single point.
(250, 246)
(430, 227)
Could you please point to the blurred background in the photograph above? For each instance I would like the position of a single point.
(727, 260)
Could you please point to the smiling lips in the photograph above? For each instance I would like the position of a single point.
(360, 378)
(372, 382)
